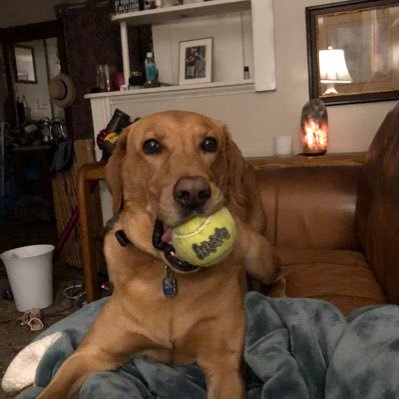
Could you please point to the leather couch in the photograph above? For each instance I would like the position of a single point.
(336, 228)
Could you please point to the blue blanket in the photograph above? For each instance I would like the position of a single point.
(295, 348)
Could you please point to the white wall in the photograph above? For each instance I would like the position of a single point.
(352, 127)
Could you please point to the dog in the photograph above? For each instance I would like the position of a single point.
(166, 168)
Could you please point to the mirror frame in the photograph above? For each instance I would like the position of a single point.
(347, 9)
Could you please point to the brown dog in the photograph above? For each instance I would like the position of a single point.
(168, 167)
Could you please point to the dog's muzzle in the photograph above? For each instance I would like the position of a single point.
(177, 264)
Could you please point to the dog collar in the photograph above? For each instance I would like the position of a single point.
(169, 285)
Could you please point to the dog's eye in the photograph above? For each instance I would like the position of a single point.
(209, 144)
(151, 146)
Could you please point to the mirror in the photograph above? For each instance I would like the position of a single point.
(353, 51)
(25, 66)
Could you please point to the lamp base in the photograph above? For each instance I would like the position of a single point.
(330, 90)
(313, 154)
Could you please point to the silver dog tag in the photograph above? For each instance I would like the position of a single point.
(169, 283)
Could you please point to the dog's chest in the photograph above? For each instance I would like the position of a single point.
(165, 319)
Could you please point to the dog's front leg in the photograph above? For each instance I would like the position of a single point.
(223, 380)
(218, 344)
(260, 259)
(72, 373)
(107, 346)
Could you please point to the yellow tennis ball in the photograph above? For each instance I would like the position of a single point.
(205, 241)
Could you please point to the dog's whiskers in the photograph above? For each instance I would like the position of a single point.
(238, 196)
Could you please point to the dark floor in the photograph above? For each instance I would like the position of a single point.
(13, 335)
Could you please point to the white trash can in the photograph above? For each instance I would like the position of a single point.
(30, 272)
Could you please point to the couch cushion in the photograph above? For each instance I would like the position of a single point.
(343, 278)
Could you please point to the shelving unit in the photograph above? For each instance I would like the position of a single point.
(261, 23)
(243, 34)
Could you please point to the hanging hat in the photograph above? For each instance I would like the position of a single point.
(62, 90)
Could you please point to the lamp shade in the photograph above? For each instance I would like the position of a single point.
(333, 67)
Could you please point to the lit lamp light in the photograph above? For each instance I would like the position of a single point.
(314, 128)
(333, 69)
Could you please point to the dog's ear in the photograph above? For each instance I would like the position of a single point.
(239, 183)
(236, 169)
(230, 168)
(113, 171)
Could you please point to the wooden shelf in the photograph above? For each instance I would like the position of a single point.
(339, 159)
(165, 14)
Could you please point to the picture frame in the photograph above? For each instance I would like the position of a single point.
(25, 64)
(195, 61)
(366, 67)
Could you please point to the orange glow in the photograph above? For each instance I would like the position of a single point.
(314, 138)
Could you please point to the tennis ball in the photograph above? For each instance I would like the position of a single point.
(205, 241)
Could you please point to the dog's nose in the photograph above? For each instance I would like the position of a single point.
(192, 191)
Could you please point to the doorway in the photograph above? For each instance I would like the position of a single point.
(32, 55)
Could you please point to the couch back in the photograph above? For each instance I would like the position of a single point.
(310, 207)
(377, 214)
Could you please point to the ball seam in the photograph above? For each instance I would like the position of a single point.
(198, 230)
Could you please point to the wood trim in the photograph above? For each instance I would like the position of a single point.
(96, 171)
(11, 111)
(40, 30)
(341, 159)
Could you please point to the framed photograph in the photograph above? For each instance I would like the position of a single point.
(353, 51)
(25, 65)
(195, 61)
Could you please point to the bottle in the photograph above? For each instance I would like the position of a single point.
(151, 72)
(107, 78)
(100, 77)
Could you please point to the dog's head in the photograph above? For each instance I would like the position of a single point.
(173, 165)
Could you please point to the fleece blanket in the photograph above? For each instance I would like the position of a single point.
(295, 348)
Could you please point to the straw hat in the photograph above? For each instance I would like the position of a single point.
(62, 90)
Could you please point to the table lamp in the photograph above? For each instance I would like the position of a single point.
(333, 69)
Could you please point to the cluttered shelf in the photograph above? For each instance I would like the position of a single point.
(164, 14)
